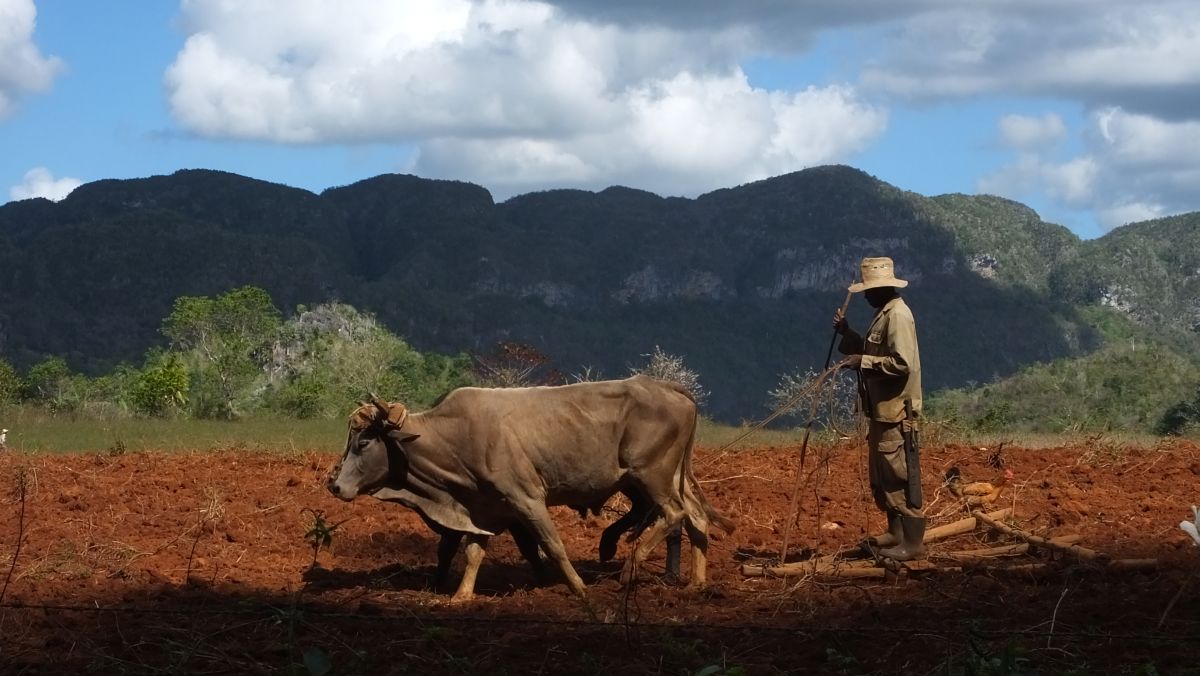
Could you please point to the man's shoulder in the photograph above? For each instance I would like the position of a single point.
(899, 309)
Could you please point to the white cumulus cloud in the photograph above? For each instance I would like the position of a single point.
(1143, 57)
(508, 93)
(1024, 132)
(1133, 167)
(23, 69)
(39, 182)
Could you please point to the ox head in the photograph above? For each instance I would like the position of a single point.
(374, 455)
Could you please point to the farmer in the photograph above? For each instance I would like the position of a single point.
(889, 372)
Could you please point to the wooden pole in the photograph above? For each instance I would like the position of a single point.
(1073, 549)
(870, 570)
(968, 555)
(822, 563)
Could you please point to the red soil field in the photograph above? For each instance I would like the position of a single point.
(198, 563)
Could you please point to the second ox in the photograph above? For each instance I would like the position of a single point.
(482, 460)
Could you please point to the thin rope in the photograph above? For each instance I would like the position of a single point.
(784, 408)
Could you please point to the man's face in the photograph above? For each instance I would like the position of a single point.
(879, 296)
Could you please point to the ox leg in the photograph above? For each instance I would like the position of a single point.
(635, 521)
(674, 545)
(528, 544)
(628, 521)
(476, 547)
(697, 528)
(640, 515)
(671, 517)
(538, 518)
(447, 548)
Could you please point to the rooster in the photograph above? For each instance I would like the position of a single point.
(1192, 528)
(977, 493)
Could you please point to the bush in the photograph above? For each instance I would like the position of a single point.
(332, 355)
(832, 405)
(669, 367)
(161, 386)
(10, 383)
(515, 365)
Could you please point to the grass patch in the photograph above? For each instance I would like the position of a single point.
(713, 435)
(34, 430)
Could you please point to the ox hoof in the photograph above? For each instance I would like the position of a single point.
(627, 575)
(462, 598)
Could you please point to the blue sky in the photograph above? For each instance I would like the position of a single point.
(1084, 109)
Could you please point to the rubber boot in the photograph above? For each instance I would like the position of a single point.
(893, 535)
(912, 546)
(674, 547)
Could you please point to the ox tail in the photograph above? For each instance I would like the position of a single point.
(723, 522)
(679, 388)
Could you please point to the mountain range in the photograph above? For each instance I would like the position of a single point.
(742, 282)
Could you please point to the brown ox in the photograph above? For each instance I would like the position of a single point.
(484, 459)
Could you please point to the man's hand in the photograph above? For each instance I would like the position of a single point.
(854, 361)
(839, 322)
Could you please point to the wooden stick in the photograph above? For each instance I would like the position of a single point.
(951, 529)
(1073, 549)
(1005, 550)
(797, 568)
(987, 553)
(800, 569)
(965, 525)
(1113, 565)
(867, 569)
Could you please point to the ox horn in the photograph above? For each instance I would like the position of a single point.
(379, 404)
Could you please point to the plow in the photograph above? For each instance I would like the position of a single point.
(1011, 550)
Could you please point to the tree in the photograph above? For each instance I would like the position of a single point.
(515, 365)
(46, 380)
(830, 403)
(52, 383)
(332, 355)
(669, 367)
(161, 386)
(10, 383)
(227, 338)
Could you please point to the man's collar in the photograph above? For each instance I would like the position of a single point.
(888, 306)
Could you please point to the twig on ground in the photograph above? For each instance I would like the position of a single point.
(1175, 598)
(736, 476)
(21, 474)
(1054, 616)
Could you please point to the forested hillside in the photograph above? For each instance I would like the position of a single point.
(741, 282)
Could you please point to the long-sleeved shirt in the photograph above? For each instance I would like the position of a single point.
(891, 363)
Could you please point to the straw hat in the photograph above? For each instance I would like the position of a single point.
(877, 272)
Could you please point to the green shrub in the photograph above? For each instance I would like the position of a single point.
(161, 386)
(10, 383)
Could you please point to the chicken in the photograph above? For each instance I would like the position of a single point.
(977, 493)
(1192, 528)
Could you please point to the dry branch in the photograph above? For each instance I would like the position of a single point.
(847, 569)
(1073, 549)
(964, 525)
(868, 569)
(969, 555)
(821, 565)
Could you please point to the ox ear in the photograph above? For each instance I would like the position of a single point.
(404, 437)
